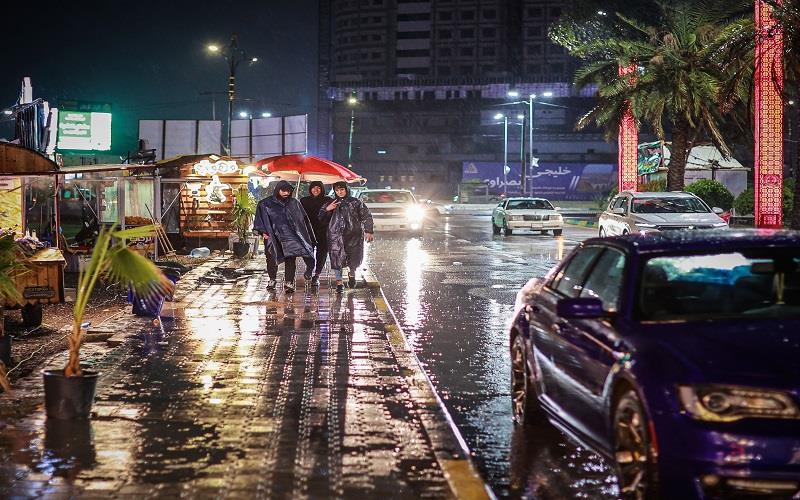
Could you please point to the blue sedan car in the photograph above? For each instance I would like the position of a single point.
(674, 354)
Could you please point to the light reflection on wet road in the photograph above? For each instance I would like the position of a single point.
(453, 292)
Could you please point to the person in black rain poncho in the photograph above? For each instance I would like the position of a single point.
(349, 225)
(287, 233)
(312, 203)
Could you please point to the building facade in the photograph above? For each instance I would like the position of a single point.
(408, 89)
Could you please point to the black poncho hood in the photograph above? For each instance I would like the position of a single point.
(320, 185)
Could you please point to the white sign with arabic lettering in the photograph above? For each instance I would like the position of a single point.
(223, 167)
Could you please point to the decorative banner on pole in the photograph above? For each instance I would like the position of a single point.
(628, 143)
(768, 119)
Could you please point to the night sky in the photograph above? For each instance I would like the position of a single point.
(148, 58)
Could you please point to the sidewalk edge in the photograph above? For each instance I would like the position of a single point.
(455, 460)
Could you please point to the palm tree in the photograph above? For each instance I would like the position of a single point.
(736, 45)
(112, 259)
(677, 82)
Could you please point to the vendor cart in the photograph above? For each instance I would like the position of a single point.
(42, 283)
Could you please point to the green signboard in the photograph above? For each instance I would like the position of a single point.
(651, 155)
(84, 130)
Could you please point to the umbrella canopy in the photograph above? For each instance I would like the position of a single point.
(307, 168)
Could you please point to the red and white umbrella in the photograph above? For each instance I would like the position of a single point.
(296, 167)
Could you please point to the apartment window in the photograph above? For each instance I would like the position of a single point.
(465, 70)
(376, 38)
(534, 31)
(377, 2)
(555, 12)
(534, 69)
(413, 53)
(445, 34)
(444, 71)
(420, 16)
(488, 68)
(466, 51)
(377, 19)
(535, 12)
(410, 178)
(534, 50)
(389, 178)
(412, 150)
(488, 51)
(467, 15)
(382, 178)
(489, 14)
(557, 68)
(429, 95)
(445, 15)
(467, 33)
(376, 55)
(488, 32)
(413, 35)
(432, 149)
(446, 52)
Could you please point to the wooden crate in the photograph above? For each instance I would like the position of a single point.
(43, 283)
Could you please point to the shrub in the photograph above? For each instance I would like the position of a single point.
(745, 202)
(714, 193)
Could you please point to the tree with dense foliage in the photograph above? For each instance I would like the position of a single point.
(677, 82)
(713, 192)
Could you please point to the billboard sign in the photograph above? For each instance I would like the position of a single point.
(559, 181)
(84, 130)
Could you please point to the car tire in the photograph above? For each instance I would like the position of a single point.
(524, 404)
(634, 456)
(495, 227)
(506, 230)
(557, 232)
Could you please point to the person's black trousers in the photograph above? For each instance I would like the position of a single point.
(290, 267)
(322, 256)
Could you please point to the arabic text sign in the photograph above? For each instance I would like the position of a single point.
(560, 181)
(84, 130)
(223, 167)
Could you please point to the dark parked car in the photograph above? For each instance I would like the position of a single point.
(674, 354)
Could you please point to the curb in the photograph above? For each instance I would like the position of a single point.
(580, 222)
(449, 447)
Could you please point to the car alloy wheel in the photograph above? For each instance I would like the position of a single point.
(506, 230)
(633, 453)
(523, 397)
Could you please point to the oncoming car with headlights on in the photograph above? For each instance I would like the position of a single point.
(674, 354)
(394, 209)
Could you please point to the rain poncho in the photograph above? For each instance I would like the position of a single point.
(346, 227)
(312, 204)
(286, 223)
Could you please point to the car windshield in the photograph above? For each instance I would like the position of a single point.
(721, 286)
(668, 205)
(387, 197)
(529, 205)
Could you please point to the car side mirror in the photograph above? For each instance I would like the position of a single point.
(618, 211)
(718, 210)
(580, 308)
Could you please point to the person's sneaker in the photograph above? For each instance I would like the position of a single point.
(307, 276)
(271, 284)
(315, 279)
(288, 288)
(340, 288)
(351, 281)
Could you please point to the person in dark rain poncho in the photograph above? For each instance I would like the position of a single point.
(349, 225)
(312, 203)
(287, 233)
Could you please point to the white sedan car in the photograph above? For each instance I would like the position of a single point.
(645, 212)
(536, 214)
(394, 209)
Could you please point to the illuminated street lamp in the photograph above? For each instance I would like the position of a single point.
(533, 162)
(352, 101)
(244, 114)
(501, 116)
(266, 115)
(234, 55)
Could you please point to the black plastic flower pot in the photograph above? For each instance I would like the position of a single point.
(69, 397)
(240, 249)
(5, 349)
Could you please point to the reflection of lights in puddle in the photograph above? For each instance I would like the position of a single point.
(416, 259)
(207, 381)
(560, 248)
(215, 401)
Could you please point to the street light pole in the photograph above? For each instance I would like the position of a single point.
(352, 101)
(525, 170)
(505, 154)
(234, 55)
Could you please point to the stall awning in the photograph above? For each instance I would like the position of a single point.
(181, 160)
(110, 167)
(17, 160)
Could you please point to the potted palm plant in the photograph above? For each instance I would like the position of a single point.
(244, 209)
(69, 393)
(10, 266)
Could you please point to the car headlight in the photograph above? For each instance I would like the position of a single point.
(726, 403)
(720, 224)
(555, 217)
(414, 214)
(516, 217)
(646, 225)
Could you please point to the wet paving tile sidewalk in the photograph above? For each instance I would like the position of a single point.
(246, 393)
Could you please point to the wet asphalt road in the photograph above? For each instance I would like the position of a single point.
(453, 293)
